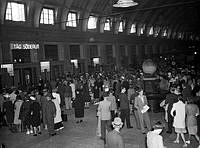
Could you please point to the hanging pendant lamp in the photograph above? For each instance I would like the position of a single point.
(125, 3)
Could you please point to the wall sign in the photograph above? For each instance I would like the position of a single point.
(9, 68)
(24, 46)
(45, 66)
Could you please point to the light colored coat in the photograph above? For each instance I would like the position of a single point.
(72, 85)
(18, 105)
(154, 140)
(56, 101)
(112, 99)
(179, 118)
(104, 109)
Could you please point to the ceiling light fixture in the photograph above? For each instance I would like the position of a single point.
(125, 3)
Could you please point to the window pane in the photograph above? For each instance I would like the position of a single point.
(47, 16)
(120, 27)
(71, 19)
(107, 25)
(133, 28)
(92, 22)
(151, 31)
(15, 11)
(8, 12)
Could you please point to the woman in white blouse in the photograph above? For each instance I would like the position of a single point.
(178, 112)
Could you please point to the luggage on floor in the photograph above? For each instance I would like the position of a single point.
(64, 115)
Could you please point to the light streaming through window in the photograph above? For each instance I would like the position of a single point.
(72, 19)
(107, 25)
(92, 22)
(133, 28)
(142, 29)
(47, 16)
(121, 27)
(151, 31)
(164, 32)
(15, 11)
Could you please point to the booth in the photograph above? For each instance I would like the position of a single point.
(151, 85)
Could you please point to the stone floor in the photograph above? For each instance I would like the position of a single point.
(83, 135)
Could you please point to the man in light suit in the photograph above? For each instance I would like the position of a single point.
(104, 113)
(140, 103)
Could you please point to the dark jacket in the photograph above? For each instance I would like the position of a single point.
(171, 99)
(124, 103)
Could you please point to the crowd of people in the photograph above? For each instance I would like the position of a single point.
(117, 94)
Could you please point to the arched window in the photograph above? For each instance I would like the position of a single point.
(15, 11)
(47, 16)
(121, 26)
(92, 22)
(151, 31)
(72, 19)
(107, 25)
(133, 28)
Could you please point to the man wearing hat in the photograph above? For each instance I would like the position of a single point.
(154, 140)
(114, 139)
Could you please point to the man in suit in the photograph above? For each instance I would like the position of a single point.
(50, 111)
(124, 107)
(104, 113)
(140, 104)
(171, 98)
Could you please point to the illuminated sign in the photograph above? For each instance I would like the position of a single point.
(9, 68)
(24, 46)
(45, 65)
(75, 63)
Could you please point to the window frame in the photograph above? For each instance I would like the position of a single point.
(47, 8)
(135, 28)
(72, 21)
(110, 24)
(25, 11)
(121, 26)
(95, 23)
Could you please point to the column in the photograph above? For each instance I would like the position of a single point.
(101, 49)
(67, 62)
(116, 55)
(1, 57)
(138, 55)
(84, 58)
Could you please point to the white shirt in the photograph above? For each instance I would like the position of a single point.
(179, 118)
(104, 110)
(154, 140)
(72, 85)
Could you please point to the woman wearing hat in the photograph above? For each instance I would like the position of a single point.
(114, 139)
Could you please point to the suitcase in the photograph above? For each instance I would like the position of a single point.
(64, 116)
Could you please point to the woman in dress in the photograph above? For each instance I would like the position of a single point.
(35, 112)
(58, 124)
(192, 111)
(17, 106)
(79, 104)
(8, 110)
(178, 112)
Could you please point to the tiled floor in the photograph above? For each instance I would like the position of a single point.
(83, 135)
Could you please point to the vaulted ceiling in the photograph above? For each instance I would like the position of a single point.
(181, 15)
(177, 15)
